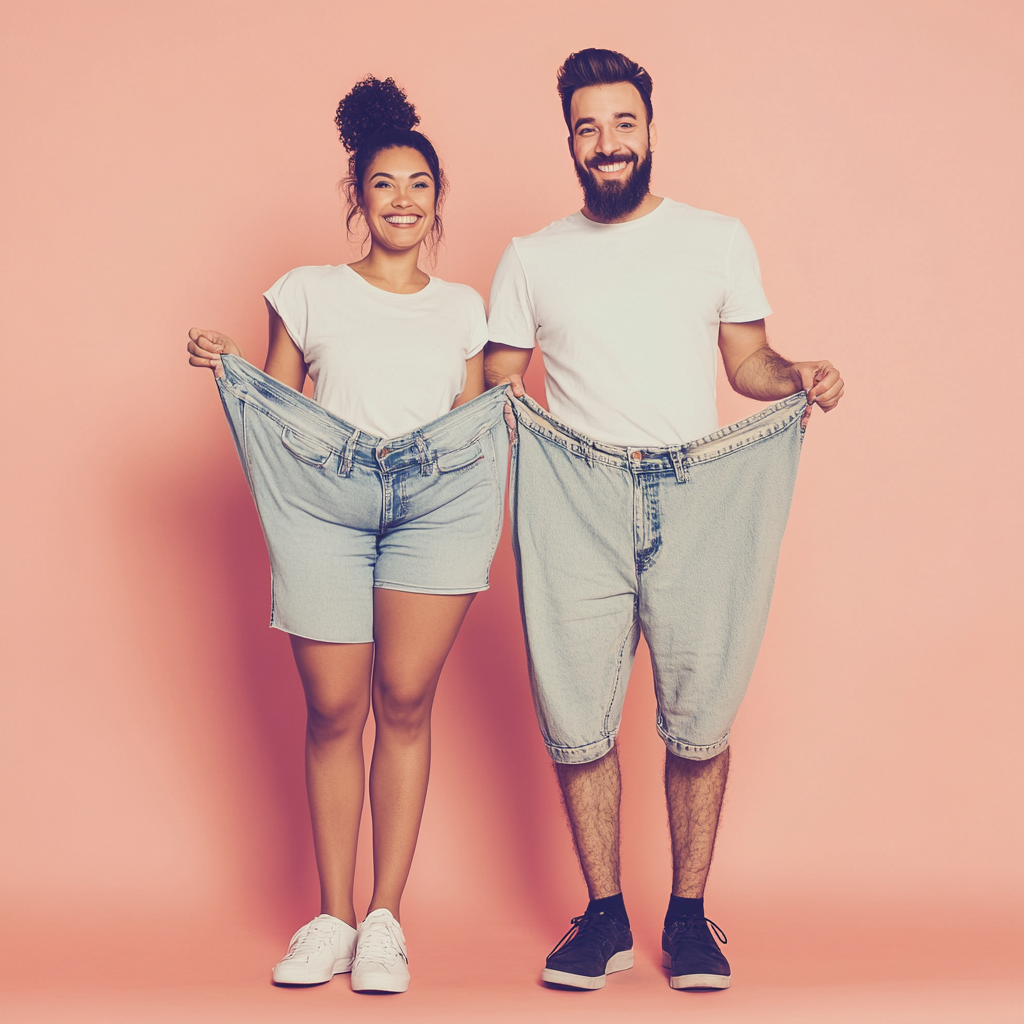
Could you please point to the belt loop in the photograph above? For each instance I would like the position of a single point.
(346, 456)
(426, 467)
(677, 455)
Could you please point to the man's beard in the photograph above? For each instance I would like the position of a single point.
(611, 200)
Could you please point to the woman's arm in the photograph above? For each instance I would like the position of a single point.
(474, 380)
(284, 359)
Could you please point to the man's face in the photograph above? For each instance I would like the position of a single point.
(611, 145)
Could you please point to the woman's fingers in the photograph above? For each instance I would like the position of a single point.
(210, 341)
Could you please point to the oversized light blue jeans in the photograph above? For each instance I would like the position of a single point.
(344, 512)
(680, 543)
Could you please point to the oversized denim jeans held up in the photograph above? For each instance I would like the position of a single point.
(680, 543)
(344, 513)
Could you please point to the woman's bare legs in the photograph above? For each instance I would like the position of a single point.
(413, 634)
(336, 680)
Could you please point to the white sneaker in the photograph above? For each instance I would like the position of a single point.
(381, 964)
(318, 951)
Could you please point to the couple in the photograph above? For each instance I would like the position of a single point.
(381, 501)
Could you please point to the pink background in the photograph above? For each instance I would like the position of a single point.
(166, 162)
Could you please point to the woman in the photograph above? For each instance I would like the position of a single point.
(377, 548)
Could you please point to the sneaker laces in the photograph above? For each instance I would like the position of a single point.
(379, 944)
(689, 924)
(309, 940)
(577, 925)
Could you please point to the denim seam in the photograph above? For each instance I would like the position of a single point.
(308, 406)
(592, 455)
(618, 678)
(498, 493)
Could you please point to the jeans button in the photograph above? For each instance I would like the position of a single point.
(637, 455)
(385, 452)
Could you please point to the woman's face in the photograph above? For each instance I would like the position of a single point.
(398, 198)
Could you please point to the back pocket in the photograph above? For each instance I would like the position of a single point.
(461, 458)
(306, 449)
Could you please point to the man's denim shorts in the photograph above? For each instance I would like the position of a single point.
(344, 512)
(681, 543)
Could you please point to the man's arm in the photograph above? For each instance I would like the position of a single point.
(756, 370)
(506, 364)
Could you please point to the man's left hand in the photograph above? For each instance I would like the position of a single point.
(821, 380)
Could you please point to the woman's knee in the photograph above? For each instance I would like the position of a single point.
(335, 720)
(402, 707)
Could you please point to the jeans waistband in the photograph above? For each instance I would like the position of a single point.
(295, 411)
(672, 459)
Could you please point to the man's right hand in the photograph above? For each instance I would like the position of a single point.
(505, 364)
(206, 347)
(515, 382)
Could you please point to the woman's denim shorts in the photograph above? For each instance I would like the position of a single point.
(344, 512)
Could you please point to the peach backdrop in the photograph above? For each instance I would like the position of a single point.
(166, 162)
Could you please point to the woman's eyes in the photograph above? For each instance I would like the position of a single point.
(415, 184)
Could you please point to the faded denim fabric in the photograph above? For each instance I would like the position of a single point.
(681, 543)
(344, 512)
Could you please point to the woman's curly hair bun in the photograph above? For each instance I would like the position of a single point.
(371, 106)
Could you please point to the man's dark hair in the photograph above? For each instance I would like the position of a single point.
(601, 67)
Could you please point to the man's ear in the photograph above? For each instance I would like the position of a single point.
(652, 135)
(572, 152)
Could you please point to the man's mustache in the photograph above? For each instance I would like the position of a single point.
(617, 158)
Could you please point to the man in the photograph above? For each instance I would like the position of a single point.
(622, 521)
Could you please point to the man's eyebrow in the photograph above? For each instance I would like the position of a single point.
(583, 120)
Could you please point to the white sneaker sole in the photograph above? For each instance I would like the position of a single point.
(368, 982)
(619, 962)
(694, 980)
(289, 975)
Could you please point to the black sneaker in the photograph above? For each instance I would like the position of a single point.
(596, 945)
(689, 951)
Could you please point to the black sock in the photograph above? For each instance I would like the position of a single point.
(683, 906)
(613, 906)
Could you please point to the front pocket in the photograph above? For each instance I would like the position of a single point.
(306, 449)
(461, 458)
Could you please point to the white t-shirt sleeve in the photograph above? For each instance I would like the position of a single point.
(512, 320)
(287, 297)
(744, 297)
(478, 325)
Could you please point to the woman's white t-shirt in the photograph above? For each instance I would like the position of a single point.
(383, 362)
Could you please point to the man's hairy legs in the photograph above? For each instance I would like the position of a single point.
(693, 791)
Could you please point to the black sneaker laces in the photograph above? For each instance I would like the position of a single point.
(685, 924)
(578, 924)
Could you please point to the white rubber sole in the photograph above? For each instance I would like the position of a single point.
(619, 962)
(288, 975)
(379, 983)
(694, 980)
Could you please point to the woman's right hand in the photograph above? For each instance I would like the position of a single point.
(206, 347)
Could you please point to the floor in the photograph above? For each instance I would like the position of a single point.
(892, 968)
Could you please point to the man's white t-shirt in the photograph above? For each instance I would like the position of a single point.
(383, 362)
(627, 317)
